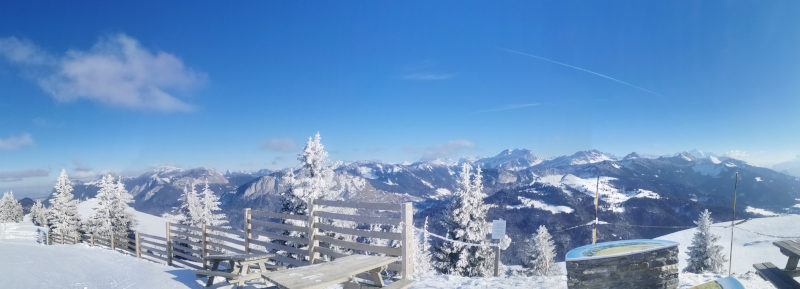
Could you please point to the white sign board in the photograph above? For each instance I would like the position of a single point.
(498, 229)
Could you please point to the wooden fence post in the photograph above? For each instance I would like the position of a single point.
(247, 230)
(75, 238)
(49, 238)
(62, 239)
(205, 247)
(312, 230)
(169, 246)
(407, 216)
(138, 249)
(111, 236)
(92, 239)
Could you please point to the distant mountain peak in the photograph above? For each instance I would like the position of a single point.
(511, 159)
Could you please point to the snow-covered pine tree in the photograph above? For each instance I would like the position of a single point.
(314, 179)
(10, 209)
(422, 257)
(465, 221)
(211, 215)
(541, 253)
(63, 214)
(124, 220)
(39, 214)
(705, 254)
(112, 214)
(190, 212)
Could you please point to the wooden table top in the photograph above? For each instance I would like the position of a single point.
(326, 274)
(789, 247)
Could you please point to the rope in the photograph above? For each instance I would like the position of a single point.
(768, 235)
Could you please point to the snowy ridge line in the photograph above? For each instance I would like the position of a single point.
(767, 235)
(455, 241)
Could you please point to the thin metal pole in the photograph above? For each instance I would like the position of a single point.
(596, 202)
(733, 223)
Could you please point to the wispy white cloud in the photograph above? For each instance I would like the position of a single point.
(429, 76)
(444, 150)
(16, 176)
(510, 107)
(280, 145)
(761, 158)
(15, 142)
(581, 69)
(117, 71)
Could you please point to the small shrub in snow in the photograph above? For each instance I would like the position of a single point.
(39, 214)
(10, 209)
(705, 254)
(422, 257)
(465, 221)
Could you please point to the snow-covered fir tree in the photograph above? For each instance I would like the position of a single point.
(465, 221)
(422, 258)
(190, 212)
(112, 212)
(314, 179)
(705, 254)
(540, 254)
(39, 214)
(10, 209)
(211, 213)
(63, 213)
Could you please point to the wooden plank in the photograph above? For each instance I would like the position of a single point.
(188, 257)
(274, 225)
(274, 236)
(151, 242)
(396, 266)
(289, 260)
(359, 205)
(329, 252)
(228, 248)
(225, 230)
(256, 213)
(154, 257)
(327, 274)
(188, 249)
(360, 233)
(280, 247)
(146, 249)
(153, 237)
(780, 279)
(186, 241)
(359, 246)
(226, 239)
(358, 219)
(179, 226)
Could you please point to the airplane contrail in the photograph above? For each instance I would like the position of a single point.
(581, 69)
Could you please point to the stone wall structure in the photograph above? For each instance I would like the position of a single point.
(654, 266)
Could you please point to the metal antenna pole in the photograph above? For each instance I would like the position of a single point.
(733, 223)
(596, 198)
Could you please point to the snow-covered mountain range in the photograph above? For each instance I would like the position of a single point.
(526, 190)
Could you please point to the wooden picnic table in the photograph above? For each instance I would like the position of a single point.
(782, 278)
(338, 271)
(238, 270)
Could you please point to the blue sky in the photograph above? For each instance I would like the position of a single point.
(122, 87)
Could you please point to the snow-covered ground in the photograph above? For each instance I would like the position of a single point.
(28, 264)
(145, 223)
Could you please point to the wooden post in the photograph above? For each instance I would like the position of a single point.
(312, 231)
(205, 247)
(75, 238)
(169, 246)
(62, 239)
(138, 249)
(49, 238)
(407, 216)
(497, 259)
(247, 230)
(91, 239)
(111, 237)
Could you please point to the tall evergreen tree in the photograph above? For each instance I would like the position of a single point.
(10, 209)
(314, 179)
(190, 212)
(465, 221)
(211, 214)
(705, 254)
(112, 212)
(39, 214)
(541, 254)
(63, 214)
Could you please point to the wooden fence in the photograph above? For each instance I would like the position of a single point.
(332, 229)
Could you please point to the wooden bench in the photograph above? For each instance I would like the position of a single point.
(342, 270)
(239, 267)
(776, 276)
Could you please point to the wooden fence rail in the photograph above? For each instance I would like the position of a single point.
(331, 230)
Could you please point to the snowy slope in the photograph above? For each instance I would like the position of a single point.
(145, 223)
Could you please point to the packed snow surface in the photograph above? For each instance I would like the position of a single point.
(758, 211)
(145, 223)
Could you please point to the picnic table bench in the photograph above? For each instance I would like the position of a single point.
(782, 279)
(340, 270)
(238, 270)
